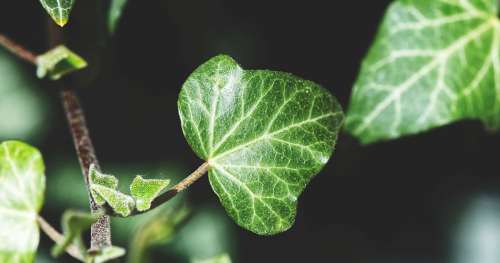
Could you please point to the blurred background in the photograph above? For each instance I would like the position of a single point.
(427, 198)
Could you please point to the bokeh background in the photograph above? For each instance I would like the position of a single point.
(428, 198)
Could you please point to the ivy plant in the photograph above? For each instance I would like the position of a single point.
(433, 62)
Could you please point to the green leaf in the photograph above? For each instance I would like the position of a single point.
(22, 187)
(114, 14)
(58, 9)
(265, 134)
(103, 190)
(146, 190)
(73, 224)
(58, 62)
(224, 258)
(432, 63)
(107, 254)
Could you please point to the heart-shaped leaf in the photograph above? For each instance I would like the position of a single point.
(265, 134)
(146, 190)
(58, 9)
(22, 187)
(432, 63)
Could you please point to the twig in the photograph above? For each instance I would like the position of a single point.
(17, 49)
(185, 183)
(58, 238)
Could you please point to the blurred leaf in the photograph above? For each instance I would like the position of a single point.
(58, 9)
(432, 63)
(224, 258)
(146, 190)
(115, 13)
(73, 224)
(22, 186)
(58, 62)
(107, 254)
(265, 134)
(23, 108)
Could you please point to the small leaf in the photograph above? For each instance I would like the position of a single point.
(107, 254)
(73, 224)
(432, 63)
(265, 134)
(146, 190)
(58, 9)
(98, 178)
(22, 187)
(120, 202)
(114, 14)
(224, 258)
(58, 62)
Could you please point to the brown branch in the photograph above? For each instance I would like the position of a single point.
(17, 49)
(58, 238)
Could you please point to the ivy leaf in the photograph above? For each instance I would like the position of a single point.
(103, 190)
(22, 187)
(73, 224)
(265, 134)
(146, 190)
(432, 63)
(114, 14)
(58, 62)
(58, 9)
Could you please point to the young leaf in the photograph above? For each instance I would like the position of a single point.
(114, 14)
(103, 190)
(432, 63)
(146, 190)
(107, 254)
(58, 9)
(58, 62)
(265, 134)
(22, 187)
(73, 224)
(105, 180)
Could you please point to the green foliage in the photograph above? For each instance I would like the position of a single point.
(58, 9)
(432, 63)
(107, 254)
(23, 107)
(73, 224)
(146, 190)
(22, 187)
(115, 13)
(265, 134)
(224, 258)
(58, 62)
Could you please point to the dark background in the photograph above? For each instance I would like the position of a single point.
(397, 201)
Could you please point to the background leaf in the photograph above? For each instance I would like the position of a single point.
(224, 258)
(58, 9)
(22, 187)
(114, 14)
(265, 134)
(58, 62)
(432, 63)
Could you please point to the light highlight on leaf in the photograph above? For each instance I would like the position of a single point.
(22, 187)
(58, 62)
(146, 190)
(265, 134)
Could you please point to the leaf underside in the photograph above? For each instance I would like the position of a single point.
(58, 9)
(58, 62)
(433, 62)
(22, 187)
(265, 134)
